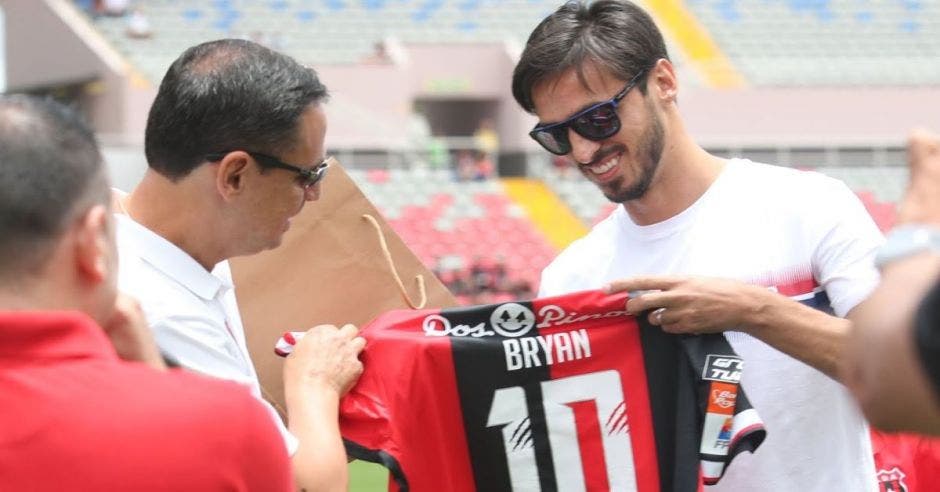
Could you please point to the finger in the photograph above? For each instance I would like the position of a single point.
(656, 316)
(357, 344)
(349, 330)
(655, 282)
(321, 329)
(650, 300)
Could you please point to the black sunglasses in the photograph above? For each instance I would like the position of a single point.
(597, 122)
(308, 177)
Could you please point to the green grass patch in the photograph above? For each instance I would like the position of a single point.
(367, 477)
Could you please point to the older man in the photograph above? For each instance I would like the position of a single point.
(81, 408)
(234, 143)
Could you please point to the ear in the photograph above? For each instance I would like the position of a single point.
(94, 244)
(230, 177)
(662, 82)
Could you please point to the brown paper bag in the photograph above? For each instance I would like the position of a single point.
(331, 269)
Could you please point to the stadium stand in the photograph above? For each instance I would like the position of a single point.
(329, 32)
(827, 42)
(456, 227)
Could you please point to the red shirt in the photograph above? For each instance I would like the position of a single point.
(76, 417)
(906, 462)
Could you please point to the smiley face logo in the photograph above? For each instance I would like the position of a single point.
(512, 320)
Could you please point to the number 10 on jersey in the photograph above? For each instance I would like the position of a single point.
(573, 429)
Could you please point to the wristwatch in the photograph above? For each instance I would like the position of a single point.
(908, 240)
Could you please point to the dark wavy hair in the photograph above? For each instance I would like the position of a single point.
(615, 34)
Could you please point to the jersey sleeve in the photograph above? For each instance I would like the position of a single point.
(728, 423)
(366, 428)
(365, 417)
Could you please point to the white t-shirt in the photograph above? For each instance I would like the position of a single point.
(805, 234)
(192, 312)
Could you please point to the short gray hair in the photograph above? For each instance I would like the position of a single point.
(50, 171)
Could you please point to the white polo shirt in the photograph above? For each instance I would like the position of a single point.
(193, 313)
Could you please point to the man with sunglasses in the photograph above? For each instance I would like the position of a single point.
(708, 244)
(235, 148)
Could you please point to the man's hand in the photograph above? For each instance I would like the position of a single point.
(693, 305)
(921, 203)
(326, 356)
(697, 305)
(882, 366)
(130, 335)
(322, 367)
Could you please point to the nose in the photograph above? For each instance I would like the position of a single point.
(582, 149)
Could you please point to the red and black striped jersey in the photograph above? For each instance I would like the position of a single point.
(557, 394)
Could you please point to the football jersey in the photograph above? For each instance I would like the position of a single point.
(906, 462)
(557, 394)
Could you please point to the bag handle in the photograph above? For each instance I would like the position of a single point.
(419, 279)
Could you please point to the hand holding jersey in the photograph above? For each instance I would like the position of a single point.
(327, 357)
(696, 305)
(690, 305)
(565, 393)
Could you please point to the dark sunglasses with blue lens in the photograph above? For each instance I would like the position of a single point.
(308, 177)
(597, 122)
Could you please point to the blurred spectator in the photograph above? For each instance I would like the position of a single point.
(481, 275)
(485, 281)
(466, 166)
(484, 167)
(459, 284)
(485, 138)
(113, 8)
(500, 274)
(379, 55)
(138, 27)
(522, 290)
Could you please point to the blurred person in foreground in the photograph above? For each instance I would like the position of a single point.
(771, 256)
(235, 148)
(893, 363)
(88, 403)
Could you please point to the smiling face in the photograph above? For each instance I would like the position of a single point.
(624, 165)
(512, 320)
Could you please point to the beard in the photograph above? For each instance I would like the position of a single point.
(649, 152)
